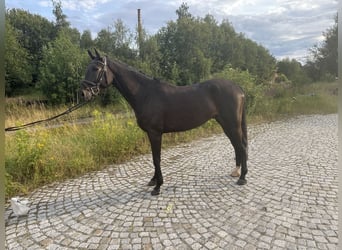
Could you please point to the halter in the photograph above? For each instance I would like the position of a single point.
(94, 87)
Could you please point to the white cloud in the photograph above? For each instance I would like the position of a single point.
(75, 5)
(82, 5)
(45, 3)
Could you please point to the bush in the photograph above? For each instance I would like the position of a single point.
(112, 139)
(62, 69)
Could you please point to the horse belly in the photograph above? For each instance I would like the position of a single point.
(186, 117)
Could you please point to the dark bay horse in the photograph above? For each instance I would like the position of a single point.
(161, 107)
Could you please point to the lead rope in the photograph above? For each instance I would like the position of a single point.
(68, 111)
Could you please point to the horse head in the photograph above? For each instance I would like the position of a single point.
(98, 76)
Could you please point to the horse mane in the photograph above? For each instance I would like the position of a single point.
(136, 71)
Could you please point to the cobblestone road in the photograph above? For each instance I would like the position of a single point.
(290, 201)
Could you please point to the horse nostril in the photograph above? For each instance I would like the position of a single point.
(83, 93)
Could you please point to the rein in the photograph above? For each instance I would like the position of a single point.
(69, 110)
(94, 88)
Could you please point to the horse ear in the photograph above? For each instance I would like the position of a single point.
(97, 54)
(90, 54)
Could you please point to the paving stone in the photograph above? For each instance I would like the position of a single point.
(290, 201)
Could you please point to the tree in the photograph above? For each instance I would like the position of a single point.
(122, 41)
(182, 46)
(222, 44)
(116, 41)
(103, 41)
(324, 57)
(194, 48)
(293, 70)
(183, 12)
(17, 63)
(149, 56)
(61, 22)
(62, 69)
(33, 32)
(86, 40)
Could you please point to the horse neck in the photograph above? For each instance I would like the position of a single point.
(127, 82)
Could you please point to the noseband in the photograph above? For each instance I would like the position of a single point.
(94, 87)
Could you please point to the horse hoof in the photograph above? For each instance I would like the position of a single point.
(241, 182)
(152, 183)
(155, 192)
(235, 172)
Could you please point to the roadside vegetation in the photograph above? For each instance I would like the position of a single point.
(105, 131)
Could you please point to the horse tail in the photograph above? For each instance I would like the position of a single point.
(244, 127)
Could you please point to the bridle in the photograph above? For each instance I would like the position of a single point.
(94, 87)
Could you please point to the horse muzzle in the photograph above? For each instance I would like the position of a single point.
(89, 90)
(86, 94)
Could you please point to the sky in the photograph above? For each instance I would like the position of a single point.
(287, 28)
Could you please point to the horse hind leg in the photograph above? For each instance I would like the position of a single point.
(241, 159)
(237, 170)
(242, 180)
(238, 141)
(226, 129)
(244, 150)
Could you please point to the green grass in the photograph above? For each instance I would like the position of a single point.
(41, 156)
(317, 98)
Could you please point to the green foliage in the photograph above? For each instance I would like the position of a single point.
(183, 44)
(17, 67)
(324, 57)
(33, 33)
(149, 56)
(61, 22)
(110, 96)
(36, 158)
(62, 69)
(287, 100)
(23, 166)
(86, 41)
(113, 139)
(199, 47)
(294, 71)
(116, 41)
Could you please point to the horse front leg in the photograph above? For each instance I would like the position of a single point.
(157, 180)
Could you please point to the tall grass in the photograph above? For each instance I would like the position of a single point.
(41, 155)
(282, 101)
